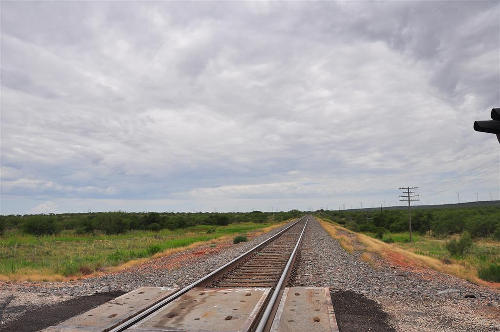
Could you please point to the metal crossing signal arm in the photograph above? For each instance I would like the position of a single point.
(490, 126)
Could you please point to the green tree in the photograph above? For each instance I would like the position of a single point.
(40, 225)
(460, 247)
(2, 225)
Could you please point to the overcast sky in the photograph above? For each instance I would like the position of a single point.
(205, 106)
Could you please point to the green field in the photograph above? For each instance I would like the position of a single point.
(68, 253)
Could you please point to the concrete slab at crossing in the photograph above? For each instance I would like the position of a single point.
(211, 309)
(114, 312)
(305, 309)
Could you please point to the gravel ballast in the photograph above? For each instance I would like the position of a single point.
(436, 303)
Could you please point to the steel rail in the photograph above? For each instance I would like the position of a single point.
(270, 305)
(131, 321)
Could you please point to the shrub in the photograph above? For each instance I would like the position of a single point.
(135, 221)
(151, 218)
(257, 216)
(460, 247)
(85, 269)
(174, 222)
(422, 221)
(490, 272)
(481, 226)
(221, 219)
(399, 225)
(70, 269)
(118, 256)
(2, 227)
(39, 225)
(388, 239)
(240, 238)
(113, 223)
(388, 218)
(379, 232)
(367, 227)
(446, 260)
(154, 249)
(154, 227)
(85, 226)
(450, 222)
(353, 226)
(496, 235)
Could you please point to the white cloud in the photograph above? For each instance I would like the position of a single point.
(303, 103)
(45, 207)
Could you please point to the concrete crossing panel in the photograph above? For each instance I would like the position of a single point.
(305, 309)
(114, 312)
(211, 309)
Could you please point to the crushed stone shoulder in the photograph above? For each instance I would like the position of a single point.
(435, 302)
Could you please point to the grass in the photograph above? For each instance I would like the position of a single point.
(240, 238)
(337, 232)
(482, 255)
(480, 265)
(54, 257)
(398, 237)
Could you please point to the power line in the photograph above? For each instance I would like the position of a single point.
(408, 195)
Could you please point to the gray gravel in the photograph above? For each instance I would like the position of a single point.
(414, 304)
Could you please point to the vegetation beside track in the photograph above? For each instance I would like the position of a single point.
(480, 220)
(426, 251)
(465, 234)
(122, 222)
(33, 253)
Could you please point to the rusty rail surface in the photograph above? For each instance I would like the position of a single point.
(264, 267)
(268, 314)
(273, 252)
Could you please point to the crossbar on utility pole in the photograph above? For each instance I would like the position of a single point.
(409, 196)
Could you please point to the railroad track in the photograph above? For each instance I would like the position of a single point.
(264, 267)
(267, 265)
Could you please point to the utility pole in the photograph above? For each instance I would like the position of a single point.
(477, 197)
(409, 196)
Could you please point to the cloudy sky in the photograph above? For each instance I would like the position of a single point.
(207, 106)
